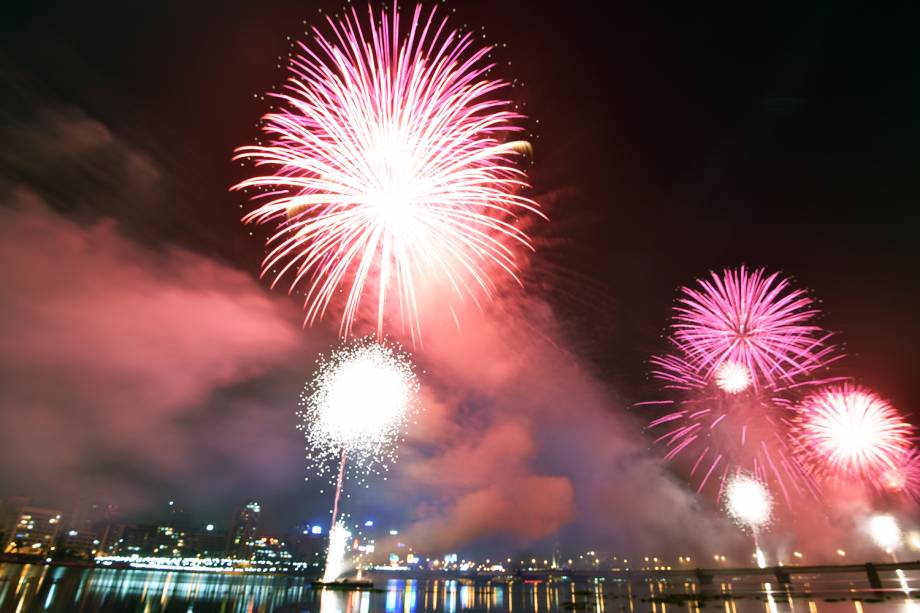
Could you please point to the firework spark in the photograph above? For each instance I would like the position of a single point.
(732, 377)
(389, 164)
(358, 404)
(748, 501)
(744, 329)
(848, 432)
(335, 557)
(353, 412)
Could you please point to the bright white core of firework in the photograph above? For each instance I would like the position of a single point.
(733, 377)
(748, 501)
(885, 531)
(357, 407)
(362, 396)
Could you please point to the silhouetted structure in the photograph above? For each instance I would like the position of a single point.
(243, 530)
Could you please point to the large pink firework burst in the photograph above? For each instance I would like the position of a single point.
(846, 432)
(744, 329)
(390, 163)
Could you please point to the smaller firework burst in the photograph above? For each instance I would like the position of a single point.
(744, 329)
(357, 405)
(733, 377)
(748, 502)
(905, 478)
(885, 531)
(848, 432)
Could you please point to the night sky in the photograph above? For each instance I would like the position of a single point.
(669, 141)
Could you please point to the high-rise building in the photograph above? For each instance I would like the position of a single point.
(178, 518)
(150, 540)
(92, 515)
(243, 530)
(34, 532)
(306, 545)
(206, 543)
(88, 529)
(79, 544)
(9, 514)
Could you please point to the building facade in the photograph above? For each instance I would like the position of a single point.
(34, 532)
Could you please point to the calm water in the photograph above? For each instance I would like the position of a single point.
(41, 588)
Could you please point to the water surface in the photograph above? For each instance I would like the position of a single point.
(42, 588)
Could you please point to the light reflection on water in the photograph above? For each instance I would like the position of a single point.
(25, 588)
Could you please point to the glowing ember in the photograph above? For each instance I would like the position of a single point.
(389, 163)
(748, 501)
(849, 432)
(732, 377)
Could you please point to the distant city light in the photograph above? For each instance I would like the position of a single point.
(394, 532)
(369, 523)
(316, 530)
(209, 527)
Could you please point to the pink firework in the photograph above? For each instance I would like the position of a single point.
(848, 432)
(390, 163)
(744, 329)
(715, 436)
(740, 341)
(905, 478)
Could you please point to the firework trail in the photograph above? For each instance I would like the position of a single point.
(353, 414)
(389, 163)
(740, 341)
(846, 433)
(749, 503)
